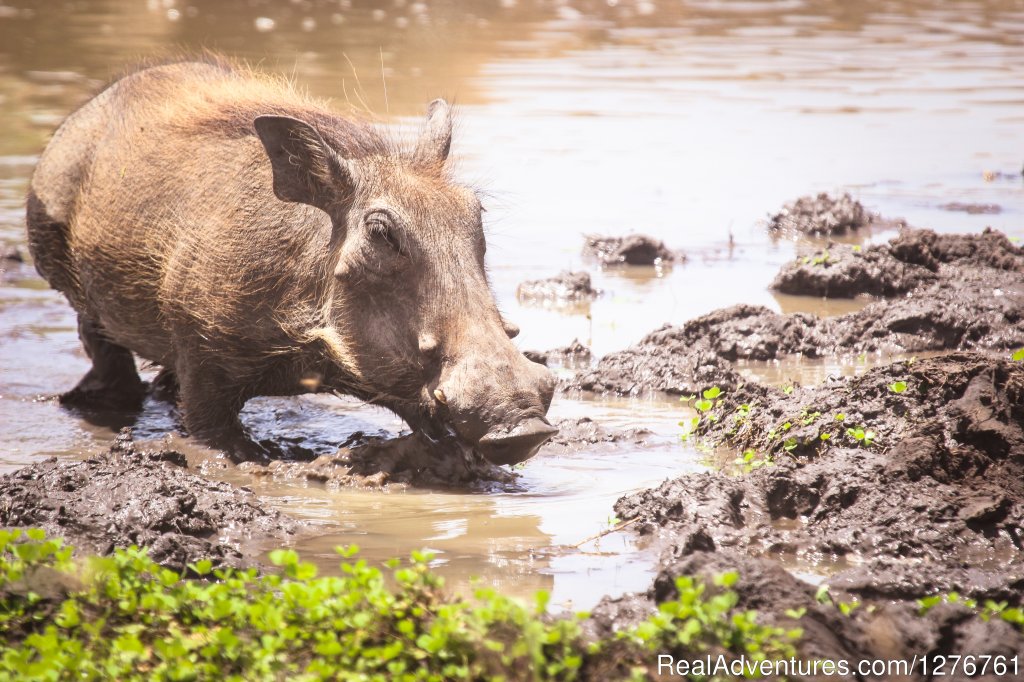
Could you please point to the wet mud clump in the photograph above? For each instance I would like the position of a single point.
(129, 496)
(843, 271)
(567, 288)
(911, 260)
(573, 355)
(821, 215)
(584, 434)
(12, 264)
(634, 249)
(912, 475)
(414, 460)
(973, 209)
(657, 364)
(11, 254)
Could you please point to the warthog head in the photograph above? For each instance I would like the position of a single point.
(412, 317)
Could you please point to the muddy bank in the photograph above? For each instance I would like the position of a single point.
(912, 260)
(913, 474)
(934, 472)
(412, 460)
(147, 498)
(821, 215)
(567, 289)
(634, 249)
(871, 630)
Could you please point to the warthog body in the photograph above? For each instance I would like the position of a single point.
(252, 242)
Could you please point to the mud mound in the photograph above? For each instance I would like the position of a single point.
(989, 249)
(142, 497)
(566, 288)
(935, 500)
(634, 249)
(408, 461)
(842, 271)
(573, 355)
(909, 261)
(890, 401)
(672, 368)
(12, 265)
(982, 311)
(973, 209)
(584, 434)
(821, 215)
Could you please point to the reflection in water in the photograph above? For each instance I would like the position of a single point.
(688, 120)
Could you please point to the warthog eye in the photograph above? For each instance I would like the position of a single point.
(382, 227)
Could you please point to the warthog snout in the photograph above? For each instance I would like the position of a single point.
(517, 444)
(498, 404)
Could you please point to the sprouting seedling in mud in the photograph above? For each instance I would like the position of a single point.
(898, 386)
(261, 244)
(1018, 355)
(861, 436)
(704, 406)
(822, 258)
(749, 461)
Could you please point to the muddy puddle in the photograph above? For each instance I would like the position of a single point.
(689, 121)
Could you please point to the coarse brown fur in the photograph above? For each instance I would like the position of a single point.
(340, 263)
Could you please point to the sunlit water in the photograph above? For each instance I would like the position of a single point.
(687, 120)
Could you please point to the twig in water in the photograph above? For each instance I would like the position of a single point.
(607, 531)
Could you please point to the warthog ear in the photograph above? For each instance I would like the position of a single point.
(306, 169)
(436, 138)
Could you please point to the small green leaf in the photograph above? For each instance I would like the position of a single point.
(202, 567)
(898, 387)
(1018, 355)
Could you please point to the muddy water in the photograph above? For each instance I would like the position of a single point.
(688, 120)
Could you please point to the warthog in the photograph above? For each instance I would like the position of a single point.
(248, 240)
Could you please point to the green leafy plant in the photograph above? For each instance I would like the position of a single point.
(861, 436)
(124, 617)
(1018, 355)
(750, 461)
(988, 610)
(821, 258)
(704, 406)
(898, 386)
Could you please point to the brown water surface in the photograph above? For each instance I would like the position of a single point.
(689, 120)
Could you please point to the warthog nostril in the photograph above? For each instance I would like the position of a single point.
(440, 396)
